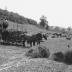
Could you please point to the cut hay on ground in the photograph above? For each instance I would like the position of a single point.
(39, 52)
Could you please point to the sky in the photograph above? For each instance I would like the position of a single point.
(58, 12)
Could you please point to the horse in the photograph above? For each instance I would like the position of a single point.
(36, 38)
(57, 34)
(68, 38)
(25, 38)
(40, 39)
(32, 39)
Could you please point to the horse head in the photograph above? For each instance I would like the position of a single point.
(39, 35)
(45, 36)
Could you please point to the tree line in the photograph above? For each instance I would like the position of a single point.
(15, 17)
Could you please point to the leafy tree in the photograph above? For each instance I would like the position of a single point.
(69, 29)
(33, 22)
(63, 30)
(3, 24)
(57, 28)
(44, 22)
(15, 17)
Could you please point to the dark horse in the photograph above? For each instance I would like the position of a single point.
(57, 34)
(26, 38)
(36, 38)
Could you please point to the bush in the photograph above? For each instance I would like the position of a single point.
(68, 57)
(65, 57)
(3, 24)
(40, 52)
(59, 56)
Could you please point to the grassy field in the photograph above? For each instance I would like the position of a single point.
(26, 27)
(13, 58)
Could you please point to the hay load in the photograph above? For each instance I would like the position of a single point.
(39, 52)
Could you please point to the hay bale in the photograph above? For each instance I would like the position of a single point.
(39, 52)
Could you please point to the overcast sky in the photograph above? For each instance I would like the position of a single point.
(58, 12)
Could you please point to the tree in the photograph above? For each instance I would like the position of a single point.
(47, 27)
(43, 22)
(69, 29)
(57, 28)
(3, 24)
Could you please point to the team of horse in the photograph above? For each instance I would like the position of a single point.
(23, 38)
(15, 37)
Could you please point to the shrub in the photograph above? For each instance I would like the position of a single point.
(58, 56)
(5, 25)
(65, 57)
(68, 57)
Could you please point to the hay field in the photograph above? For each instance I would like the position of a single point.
(13, 59)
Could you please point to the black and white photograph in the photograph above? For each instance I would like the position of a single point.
(35, 35)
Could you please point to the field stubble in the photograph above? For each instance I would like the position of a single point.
(13, 59)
